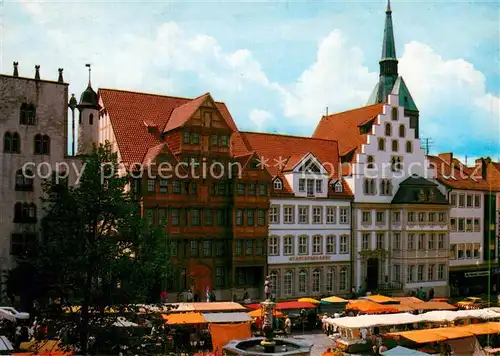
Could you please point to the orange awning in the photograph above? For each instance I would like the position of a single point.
(366, 306)
(258, 313)
(407, 300)
(223, 333)
(379, 299)
(431, 306)
(420, 336)
(184, 318)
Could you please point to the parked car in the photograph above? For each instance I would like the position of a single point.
(17, 314)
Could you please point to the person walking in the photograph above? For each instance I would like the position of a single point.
(288, 326)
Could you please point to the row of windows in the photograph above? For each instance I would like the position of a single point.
(465, 251)
(206, 217)
(313, 186)
(415, 273)
(318, 246)
(286, 285)
(217, 248)
(12, 143)
(394, 148)
(369, 186)
(25, 213)
(423, 217)
(465, 224)
(302, 214)
(178, 187)
(193, 138)
(465, 200)
(380, 217)
(423, 241)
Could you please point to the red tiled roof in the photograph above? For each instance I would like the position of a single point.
(283, 152)
(343, 127)
(129, 112)
(455, 175)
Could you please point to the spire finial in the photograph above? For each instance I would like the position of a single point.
(388, 6)
(90, 69)
(16, 72)
(60, 79)
(37, 72)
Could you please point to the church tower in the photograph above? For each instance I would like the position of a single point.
(88, 120)
(389, 80)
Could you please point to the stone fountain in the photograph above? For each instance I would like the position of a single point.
(268, 345)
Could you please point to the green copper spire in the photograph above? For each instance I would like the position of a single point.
(388, 47)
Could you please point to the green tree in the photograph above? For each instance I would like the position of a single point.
(95, 250)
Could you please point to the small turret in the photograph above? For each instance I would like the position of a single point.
(88, 121)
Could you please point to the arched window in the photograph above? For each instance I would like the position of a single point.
(23, 114)
(388, 129)
(275, 283)
(372, 186)
(369, 162)
(316, 281)
(303, 281)
(409, 147)
(330, 280)
(395, 112)
(288, 283)
(24, 182)
(395, 145)
(402, 131)
(343, 279)
(31, 114)
(45, 145)
(38, 144)
(91, 119)
(7, 142)
(381, 144)
(278, 184)
(16, 143)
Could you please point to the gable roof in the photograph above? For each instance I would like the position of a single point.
(283, 152)
(129, 111)
(343, 127)
(455, 175)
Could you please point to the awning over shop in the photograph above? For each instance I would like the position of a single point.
(257, 313)
(407, 300)
(294, 305)
(334, 300)
(369, 307)
(184, 318)
(238, 317)
(431, 306)
(381, 299)
(309, 300)
(223, 333)
(420, 336)
(206, 307)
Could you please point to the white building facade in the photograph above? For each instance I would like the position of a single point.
(310, 236)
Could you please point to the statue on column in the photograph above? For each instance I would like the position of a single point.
(267, 287)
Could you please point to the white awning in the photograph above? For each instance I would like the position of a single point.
(239, 317)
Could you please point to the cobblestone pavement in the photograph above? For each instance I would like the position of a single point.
(319, 341)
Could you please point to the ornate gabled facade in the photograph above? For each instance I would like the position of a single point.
(200, 182)
(473, 244)
(380, 142)
(309, 244)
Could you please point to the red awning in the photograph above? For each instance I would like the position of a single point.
(253, 306)
(294, 305)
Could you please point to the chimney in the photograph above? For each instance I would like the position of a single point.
(447, 157)
(60, 79)
(37, 72)
(16, 72)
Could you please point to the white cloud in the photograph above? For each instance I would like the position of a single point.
(260, 118)
(337, 79)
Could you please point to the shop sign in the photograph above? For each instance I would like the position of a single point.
(311, 258)
(476, 274)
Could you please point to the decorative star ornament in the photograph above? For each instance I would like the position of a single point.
(280, 162)
(262, 162)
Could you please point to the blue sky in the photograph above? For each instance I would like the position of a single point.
(277, 65)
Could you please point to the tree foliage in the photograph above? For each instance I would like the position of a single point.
(95, 248)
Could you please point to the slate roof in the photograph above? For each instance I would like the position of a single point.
(418, 190)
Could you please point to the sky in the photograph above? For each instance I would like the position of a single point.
(276, 64)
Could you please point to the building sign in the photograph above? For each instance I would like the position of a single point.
(476, 274)
(311, 258)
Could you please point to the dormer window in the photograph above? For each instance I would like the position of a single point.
(223, 141)
(195, 138)
(278, 184)
(186, 138)
(338, 187)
